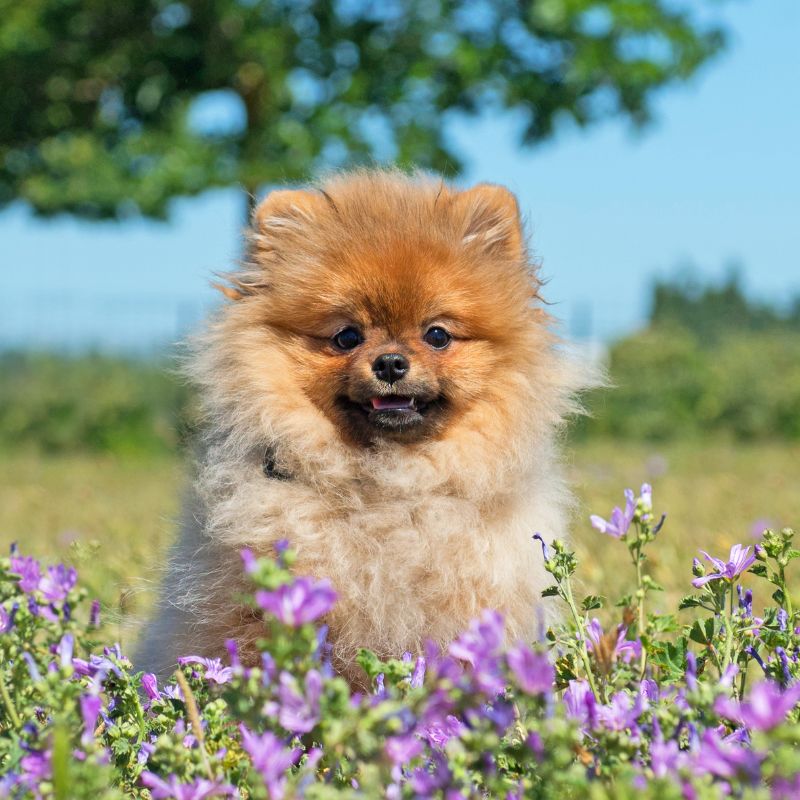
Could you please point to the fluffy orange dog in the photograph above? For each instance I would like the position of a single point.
(384, 392)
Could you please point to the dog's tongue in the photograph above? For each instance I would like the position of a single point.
(392, 403)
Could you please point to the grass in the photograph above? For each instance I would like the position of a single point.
(114, 517)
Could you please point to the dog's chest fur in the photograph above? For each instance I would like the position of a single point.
(408, 565)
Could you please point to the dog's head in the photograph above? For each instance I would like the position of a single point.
(399, 303)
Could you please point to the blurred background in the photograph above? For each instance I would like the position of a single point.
(653, 145)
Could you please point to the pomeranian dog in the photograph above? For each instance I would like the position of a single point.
(385, 392)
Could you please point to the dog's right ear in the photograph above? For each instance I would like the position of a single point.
(289, 209)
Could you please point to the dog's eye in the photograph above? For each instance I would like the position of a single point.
(348, 339)
(437, 337)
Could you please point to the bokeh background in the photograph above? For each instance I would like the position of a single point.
(653, 145)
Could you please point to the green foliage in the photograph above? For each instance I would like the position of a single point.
(711, 361)
(98, 96)
(96, 403)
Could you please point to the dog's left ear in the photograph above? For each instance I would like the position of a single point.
(491, 220)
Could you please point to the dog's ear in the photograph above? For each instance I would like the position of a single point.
(491, 220)
(289, 209)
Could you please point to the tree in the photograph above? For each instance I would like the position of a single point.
(100, 98)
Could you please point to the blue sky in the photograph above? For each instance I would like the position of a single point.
(715, 180)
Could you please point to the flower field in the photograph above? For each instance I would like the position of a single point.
(619, 700)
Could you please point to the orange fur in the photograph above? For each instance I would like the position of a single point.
(419, 529)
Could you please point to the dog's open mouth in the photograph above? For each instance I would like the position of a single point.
(393, 402)
(393, 412)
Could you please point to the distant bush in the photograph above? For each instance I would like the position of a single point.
(711, 360)
(98, 403)
(668, 384)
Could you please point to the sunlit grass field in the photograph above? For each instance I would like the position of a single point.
(114, 518)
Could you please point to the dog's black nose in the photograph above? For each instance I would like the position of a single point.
(390, 367)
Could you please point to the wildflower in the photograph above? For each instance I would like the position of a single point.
(298, 602)
(782, 618)
(150, 685)
(621, 713)
(270, 759)
(214, 671)
(402, 749)
(65, 649)
(739, 561)
(29, 570)
(58, 583)
(36, 768)
(545, 549)
(94, 614)
(606, 648)
(299, 713)
(620, 520)
(90, 710)
(725, 759)
(580, 703)
(7, 618)
(533, 671)
(480, 647)
(418, 675)
(199, 789)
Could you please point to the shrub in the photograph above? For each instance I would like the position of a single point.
(668, 384)
(644, 705)
(96, 403)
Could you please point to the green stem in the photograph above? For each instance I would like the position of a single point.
(786, 596)
(566, 593)
(640, 594)
(8, 703)
(726, 659)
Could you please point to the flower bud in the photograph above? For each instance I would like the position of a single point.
(698, 570)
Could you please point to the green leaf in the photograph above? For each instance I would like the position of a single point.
(550, 591)
(759, 569)
(591, 602)
(690, 601)
(703, 631)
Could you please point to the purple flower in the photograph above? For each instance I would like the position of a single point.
(36, 768)
(424, 781)
(7, 618)
(270, 759)
(29, 571)
(90, 711)
(418, 675)
(620, 520)
(402, 749)
(94, 614)
(299, 602)
(545, 549)
(666, 758)
(58, 583)
(214, 671)
(580, 703)
(533, 671)
(626, 649)
(65, 649)
(441, 732)
(782, 618)
(725, 759)
(150, 685)
(173, 789)
(621, 713)
(480, 646)
(766, 706)
(299, 713)
(738, 562)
